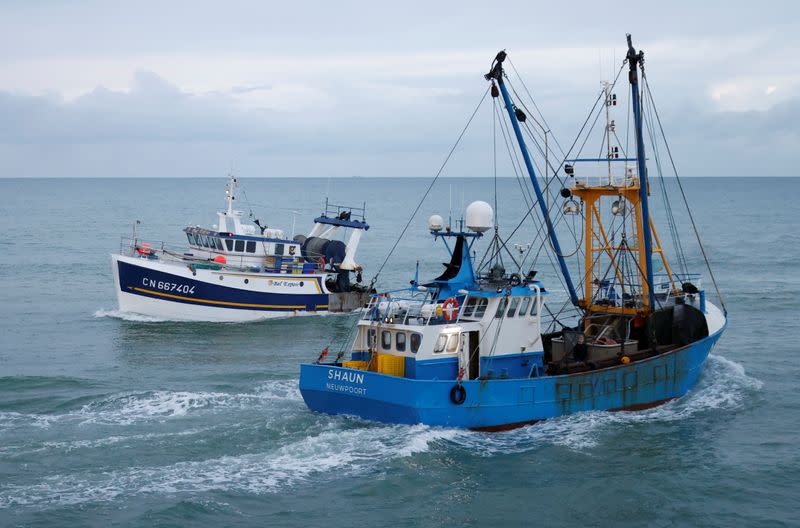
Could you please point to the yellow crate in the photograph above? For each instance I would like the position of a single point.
(392, 365)
(358, 365)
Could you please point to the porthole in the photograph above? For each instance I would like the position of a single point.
(301, 284)
(247, 281)
(220, 277)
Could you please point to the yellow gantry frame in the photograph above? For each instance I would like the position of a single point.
(595, 233)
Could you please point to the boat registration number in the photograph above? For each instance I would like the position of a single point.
(167, 286)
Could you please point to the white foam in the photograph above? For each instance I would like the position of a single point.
(269, 316)
(340, 447)
(127, 408)
(130, 316)
(331, 453)
(95, 443)
(724, 386)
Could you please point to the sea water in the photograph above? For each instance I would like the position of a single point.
(109, 418)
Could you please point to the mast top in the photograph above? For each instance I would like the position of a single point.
(496, 72)
(634, 59)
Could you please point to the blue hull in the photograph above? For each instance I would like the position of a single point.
(139, 280)
(503, 403)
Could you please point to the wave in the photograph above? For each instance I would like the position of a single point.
(325, 448)
(127, 408)
(724, 386)
(67, 446)
(130, 316)
(140, 318)
(330, 453)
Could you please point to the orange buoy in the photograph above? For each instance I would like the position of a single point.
(220, 259)
(625, 360)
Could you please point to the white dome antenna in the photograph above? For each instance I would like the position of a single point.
(435, 223)
(479, 217)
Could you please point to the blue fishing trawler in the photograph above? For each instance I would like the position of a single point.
(479, 347)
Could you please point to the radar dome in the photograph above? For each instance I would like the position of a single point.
(435, 223)
(479, 216)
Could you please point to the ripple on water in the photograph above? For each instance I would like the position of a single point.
(140, 318)
(337, 447)
(127, 408)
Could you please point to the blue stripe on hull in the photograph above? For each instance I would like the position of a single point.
(506, 366)
(495, 403)
(137, 280)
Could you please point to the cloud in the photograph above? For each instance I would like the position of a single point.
(367, 89)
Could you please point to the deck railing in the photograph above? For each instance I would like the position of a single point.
(405, 307)
(159, 250)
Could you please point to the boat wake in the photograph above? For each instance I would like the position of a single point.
(139, 318)
(724, 386)
(329, 452)
(128, 316)
(313, 449)
(128, 408)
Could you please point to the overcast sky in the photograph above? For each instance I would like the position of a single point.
(339, 88)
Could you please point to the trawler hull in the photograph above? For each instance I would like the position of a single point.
(498, 404)
(177, 292)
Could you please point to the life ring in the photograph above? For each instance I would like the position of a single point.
(458, 394)
(450, 309)
(144, 249)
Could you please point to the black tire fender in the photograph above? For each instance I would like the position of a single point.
(458, 394)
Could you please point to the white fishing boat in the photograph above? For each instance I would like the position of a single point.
(237, 271)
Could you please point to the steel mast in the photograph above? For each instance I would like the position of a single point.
(634, 60)
(515, 115)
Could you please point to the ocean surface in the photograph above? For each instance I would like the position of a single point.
(112, 419)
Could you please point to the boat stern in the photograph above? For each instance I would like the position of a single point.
(333, 389)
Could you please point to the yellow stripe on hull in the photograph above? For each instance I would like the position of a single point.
(220, 303)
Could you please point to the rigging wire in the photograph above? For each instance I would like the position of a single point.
(685, 200)
(411, 218)
(533, 101)
(674, 235)
(428, 190)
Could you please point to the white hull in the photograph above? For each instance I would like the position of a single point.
(176, 298)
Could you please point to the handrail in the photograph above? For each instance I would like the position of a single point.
(183, 255)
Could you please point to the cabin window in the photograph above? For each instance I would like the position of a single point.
(251, 246)
(207, 242)
(190, 237)
(441, 342)
(416, 340)
(480, 309)
(534, 306)
(452, 342)
(523, 308)
(400, 341)
(469, 307)
(279, 249)
(386, 340)
(239, 246)
(512, 309)
(501, 308)
(218, 243)
(229, 244)
(371, 338)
